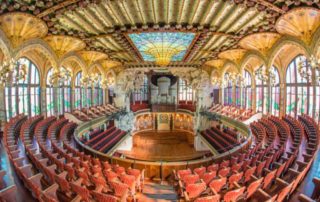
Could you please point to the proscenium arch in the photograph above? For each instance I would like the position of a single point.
(281, 43)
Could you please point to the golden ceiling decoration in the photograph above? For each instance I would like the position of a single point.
(299, 22)
(234, 55)
(64, 44)
(20, 27)
(261, 42)
(92, 56)
(215, 63)
(109, 64)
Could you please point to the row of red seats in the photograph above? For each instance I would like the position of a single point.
(275, 171)
(234, 112)
(221, 141)
(137, 106)
(87, 114)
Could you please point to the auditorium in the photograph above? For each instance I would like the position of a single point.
(159, 100)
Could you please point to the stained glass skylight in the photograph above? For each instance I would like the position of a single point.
(162, 47)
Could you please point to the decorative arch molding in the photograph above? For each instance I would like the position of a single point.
(99, 67)
(72, 56)
(315, 44)
(286, 40)
(41, 46)
(111, 71)
(248, 56)
(5, 46)
(227, 65)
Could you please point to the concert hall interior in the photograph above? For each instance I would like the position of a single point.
(159, 100)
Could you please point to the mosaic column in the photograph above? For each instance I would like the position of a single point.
(43, 102)
(72, 104)
(283, 98)
(2, 108)
(234, 102)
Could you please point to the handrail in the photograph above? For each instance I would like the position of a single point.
(84, 127)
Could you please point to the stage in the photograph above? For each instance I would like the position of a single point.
(163, 146)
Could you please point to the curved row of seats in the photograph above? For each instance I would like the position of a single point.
(268, 171)
(87, 114)
(233, 112)
(220, 140)
(105, 140)
(57, 171)
(137, 106)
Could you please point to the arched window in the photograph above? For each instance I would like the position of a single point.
(275, 93)
(88, 98)
(247, 93)
(64, 96)
(185, 92)
(227, 90)
(262, 102)
(49, 94)
(98, 93)
(299, 90)
(23, 96)
(78, 91)
(142, 94)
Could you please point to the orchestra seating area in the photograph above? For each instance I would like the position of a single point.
(234, 112)
(87, 114)
(222, 141)
(270, 170)
(52, 169)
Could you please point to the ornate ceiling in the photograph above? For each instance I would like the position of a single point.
(100, 30)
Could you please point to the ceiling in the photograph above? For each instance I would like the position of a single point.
(103, 29)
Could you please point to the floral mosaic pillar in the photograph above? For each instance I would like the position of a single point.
(2, 108)
(43, 101)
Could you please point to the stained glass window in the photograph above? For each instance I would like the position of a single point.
(24, 95)
(64, 97)
(185, 92)
(247, 92)
(98, 93)
(78, 92)
(317, 103)
(262, 101)
(299, 91)
(174, 44)
(227, 91)
(275, 93)
(49, 94)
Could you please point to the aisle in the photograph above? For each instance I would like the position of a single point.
(157, 192)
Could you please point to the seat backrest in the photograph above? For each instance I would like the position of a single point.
(63, 184)
(200, 171)
(217, 184)
(119, 188)
(234, 178)
(83, 192)
(284, 192)
(224, 172)
(208, 176)
(213, 167)
(100, 197)
(268, 179)
(214, 198)
(190, 179)
(253, 187)
(194, 190)
(233, 195)
(249, 172)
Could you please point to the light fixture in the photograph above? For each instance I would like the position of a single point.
(60, 75)
(90, 80)
(305, 68)
(265, 74)
(12, 71)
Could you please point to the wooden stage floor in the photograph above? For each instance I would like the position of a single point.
(163, 146)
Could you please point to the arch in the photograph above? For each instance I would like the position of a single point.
(315, 44)
(284, 42)
(250, 56)
(72, 57)
(227, 66)
(38, 45)
(99, 67)
(5, 46)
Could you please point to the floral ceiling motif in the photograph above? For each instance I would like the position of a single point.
(105, 25)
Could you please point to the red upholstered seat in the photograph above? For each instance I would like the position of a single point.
(64, 185)
(214, 198)
(213, 167)
(234, 178)
(120, 189)
(218, 184)
(181, 173)
(224, 172)
(249, 172)
(253, 187)
(200, 171)
(209, 176)
(111, 176)
(234, 195)
(100, 197)
(194, 190)
(190, 179)
(268, 179)
(81, 191)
